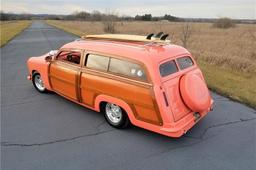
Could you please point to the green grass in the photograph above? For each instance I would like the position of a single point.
(10, 29)
(236, 85)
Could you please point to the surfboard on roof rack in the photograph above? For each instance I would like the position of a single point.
(159, 38)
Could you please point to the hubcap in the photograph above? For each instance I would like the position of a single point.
(39, 83)
(114, 112)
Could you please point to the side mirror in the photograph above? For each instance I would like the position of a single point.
(50, 55)
(48, 58)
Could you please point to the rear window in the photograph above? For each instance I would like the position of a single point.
(126, 68)
(184, 62)
(168, 68)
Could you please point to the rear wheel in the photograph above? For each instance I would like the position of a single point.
(116, 116)
(38, 83)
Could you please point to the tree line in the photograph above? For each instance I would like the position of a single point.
(87, 16)
(111, 16)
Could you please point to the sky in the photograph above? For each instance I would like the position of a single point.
(236, 9)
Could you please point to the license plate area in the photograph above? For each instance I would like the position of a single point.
(196, 116)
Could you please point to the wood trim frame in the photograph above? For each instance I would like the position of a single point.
(83, 69)
(69, 65)
(129, 80)
(115, 77)
(142, 65)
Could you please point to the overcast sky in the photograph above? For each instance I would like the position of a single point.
(239, 9)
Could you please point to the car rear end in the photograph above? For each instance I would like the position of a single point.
(183, 94)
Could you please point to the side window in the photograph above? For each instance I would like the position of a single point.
(126, 68)
(184, 62)
(69, 56)
(97, 62)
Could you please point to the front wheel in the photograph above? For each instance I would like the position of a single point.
(38, 83)
(116, 116)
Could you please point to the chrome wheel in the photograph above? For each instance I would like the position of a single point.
(39, 82)
(114, 113)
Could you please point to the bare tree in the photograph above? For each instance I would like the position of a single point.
(186, 33)
(109, 22)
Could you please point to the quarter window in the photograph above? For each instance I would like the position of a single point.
(126, 68)
(69, 56)
(185, 62)
(97, 62)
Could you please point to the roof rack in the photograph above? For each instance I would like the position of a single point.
(159, 38)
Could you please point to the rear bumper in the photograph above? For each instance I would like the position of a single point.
(181, 127)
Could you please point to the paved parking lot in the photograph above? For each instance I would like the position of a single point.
(46, 131)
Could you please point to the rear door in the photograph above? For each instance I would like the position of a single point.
(64, 73)
(171, 71)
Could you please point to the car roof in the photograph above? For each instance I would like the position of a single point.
(141, 51)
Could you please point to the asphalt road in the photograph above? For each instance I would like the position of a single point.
(46, 131)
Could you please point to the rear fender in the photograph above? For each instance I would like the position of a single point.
(119, 102)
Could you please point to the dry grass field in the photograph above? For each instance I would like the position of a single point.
(226, 56)
(11, 28)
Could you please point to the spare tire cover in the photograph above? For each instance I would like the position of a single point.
(194, 92)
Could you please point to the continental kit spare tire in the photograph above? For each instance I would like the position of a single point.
(194, 92)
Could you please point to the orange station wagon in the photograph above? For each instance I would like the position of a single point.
(142, 80)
